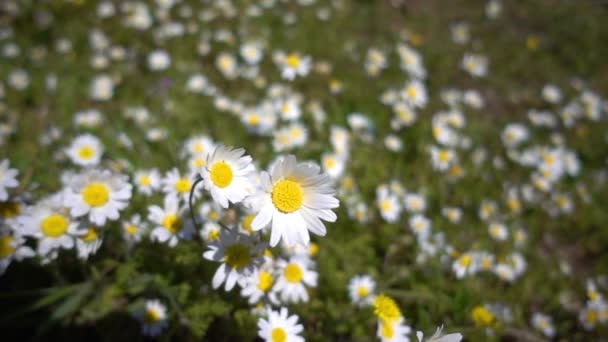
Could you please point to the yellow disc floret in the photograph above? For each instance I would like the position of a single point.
(86, 152)
(6, 248)
(265, 281)
(287, 196)
(172, 223)
(238, 256)
(183, 185)
(54, 225)
(279, 335)
(96, 194)
(293, 273)
(221, 174)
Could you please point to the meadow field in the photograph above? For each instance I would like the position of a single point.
(291, 170)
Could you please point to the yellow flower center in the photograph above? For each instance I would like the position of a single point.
(214, 235)
(293, 60)
(313, 249)
(152, 316)
(199, 148)
(238, 256)
(363, 291)
(388, 330)
(91, 235)
(465, 260)
(131, 229)
(183, 185)
(287, 196)
(293, 273)
(279, 335)
(482, 316)
(54, 225)
(9, 209)
(253, 120)
(145, 180)
(265, 281)
(385, 205)
(172, 223)
(6, 249)
(330, 163)
(444, 156)
(412, 92)
(86, 152)
(199, 162)
(221, 174)
(592, 316)
(96, 194)
(247, 222)
(386, 309)
(296, 132)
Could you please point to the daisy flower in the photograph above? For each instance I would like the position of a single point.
(251, 52)
(89, 242)
(211, 231)
(294, 198)
(200, 145)
(295, 275)
(49, 223)
(294, 65)
(257, 285)
(279, 326)
(133, 229)
(463, 265)
(239, 254)
(476, 65)
(159, 60)
(333, 164)
(414, 94)
(170, 225)
(98, 194)
(85, 150)
(7, 179)
(12, 247)
(211, 211)
(179, 186)
(102, 88)
(227, 65)
(544, 324)
(226, 175)
(153, 317)
(442, 158)
(361, 290)
(389, 206)
(147, 181)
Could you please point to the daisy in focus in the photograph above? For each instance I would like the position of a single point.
(226, 175)
(295, 198)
